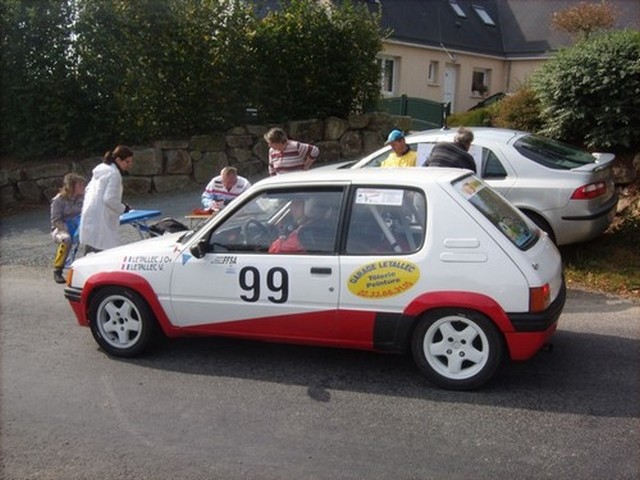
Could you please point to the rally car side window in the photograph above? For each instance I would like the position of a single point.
(283, 221)
(386, 221)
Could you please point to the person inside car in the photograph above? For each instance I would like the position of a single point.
(310, 231)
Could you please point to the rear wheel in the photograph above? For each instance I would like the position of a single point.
(457, 349)
(541, 223)
(121, 322)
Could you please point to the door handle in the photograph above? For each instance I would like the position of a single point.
(321, 270)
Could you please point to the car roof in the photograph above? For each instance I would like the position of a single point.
(406, 176)
(502, 135)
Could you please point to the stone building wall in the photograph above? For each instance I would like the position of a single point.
(174, 165)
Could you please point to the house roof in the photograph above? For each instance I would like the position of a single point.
(522, 28)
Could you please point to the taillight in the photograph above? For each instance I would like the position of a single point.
(539, 298)
(69, 277)
(592, 190)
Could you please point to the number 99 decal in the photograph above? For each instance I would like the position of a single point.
(277, 284)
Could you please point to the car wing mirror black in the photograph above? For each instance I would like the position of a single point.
(199, 249)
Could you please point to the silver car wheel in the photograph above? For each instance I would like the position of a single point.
(119, 321)
(456, 347)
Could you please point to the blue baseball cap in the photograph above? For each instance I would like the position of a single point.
(394, 136)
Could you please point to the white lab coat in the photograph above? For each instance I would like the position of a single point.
(102, 207)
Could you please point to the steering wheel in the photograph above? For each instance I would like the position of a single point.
(255, 233)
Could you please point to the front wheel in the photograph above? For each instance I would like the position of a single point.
(121, 322)
(457, 349)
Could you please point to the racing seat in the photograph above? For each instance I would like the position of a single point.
(318, 235)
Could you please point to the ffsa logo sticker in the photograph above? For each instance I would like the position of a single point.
(143, 263)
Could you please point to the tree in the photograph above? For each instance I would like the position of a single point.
(315, 59)
(86, 74)
(162, 67)
(38, 99)
(590, 93)
(584, 19)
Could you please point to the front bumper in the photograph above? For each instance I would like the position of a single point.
(74, 296)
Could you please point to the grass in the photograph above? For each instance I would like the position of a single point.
(610, 263)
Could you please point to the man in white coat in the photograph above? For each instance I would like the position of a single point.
(102, 207)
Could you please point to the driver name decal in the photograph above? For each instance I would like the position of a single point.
(144, 263)
(383, 278)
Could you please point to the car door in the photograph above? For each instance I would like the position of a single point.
(237, 287)
(380, 260)
(494, 167)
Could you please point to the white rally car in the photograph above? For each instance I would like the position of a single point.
(427, 261)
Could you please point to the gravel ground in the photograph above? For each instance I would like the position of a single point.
(25, 237)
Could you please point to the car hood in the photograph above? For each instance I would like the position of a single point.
(163, 246)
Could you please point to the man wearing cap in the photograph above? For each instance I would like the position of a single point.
(401, 155)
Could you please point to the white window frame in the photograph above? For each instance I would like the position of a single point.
(484, 15)
(457, 9)
(433, 72)
(481, 76)
(388, 80)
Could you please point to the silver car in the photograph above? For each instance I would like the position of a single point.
(567, 192)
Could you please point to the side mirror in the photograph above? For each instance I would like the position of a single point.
(200, 249)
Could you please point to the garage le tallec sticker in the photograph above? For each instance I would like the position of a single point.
(383, 278)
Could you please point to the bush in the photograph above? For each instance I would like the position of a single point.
(480, 117)
(590, 93)
(520, 111)
(39, 101)
(81, 75)
(314, 60)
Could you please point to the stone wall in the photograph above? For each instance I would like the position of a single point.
(174, 165)
(189, 164)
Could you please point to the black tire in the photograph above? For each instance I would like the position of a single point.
(457, 349)
(541, 223)
(121, 322)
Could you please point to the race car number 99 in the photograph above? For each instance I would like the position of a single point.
(277, 283)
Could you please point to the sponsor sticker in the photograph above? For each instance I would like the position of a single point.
(383, 278)
(144, 263)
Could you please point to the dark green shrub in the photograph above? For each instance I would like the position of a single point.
(39, 101)
(314, 59)
(85, 74)
(520, 111)
(480, 117)
(590, 93)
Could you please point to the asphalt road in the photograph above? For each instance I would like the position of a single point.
(229, 409)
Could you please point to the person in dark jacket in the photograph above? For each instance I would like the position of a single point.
(454, 154)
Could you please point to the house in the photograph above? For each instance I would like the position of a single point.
(461, 51)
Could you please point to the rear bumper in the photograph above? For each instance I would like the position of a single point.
(533, 330)
(603, 211)
(582, 228)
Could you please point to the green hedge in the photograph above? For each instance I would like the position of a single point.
(81, 75)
